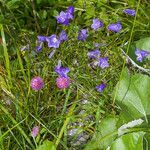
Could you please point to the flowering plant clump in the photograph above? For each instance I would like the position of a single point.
(92, 64)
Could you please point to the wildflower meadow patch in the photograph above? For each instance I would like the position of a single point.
(74, 75)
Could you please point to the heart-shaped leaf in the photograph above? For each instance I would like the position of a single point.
(133, 96)
(131, 141)
(104, 135)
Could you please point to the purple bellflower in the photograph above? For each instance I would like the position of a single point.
(93, 54)
(63, 36)
(63, 18)
(62, 71)
(103, 62)
(130, 12)
(141, 54)
(97, 24)
(101, 87)
(53, 41)
(70, 12)
(116, 27)
(82, 35)
(41, 38)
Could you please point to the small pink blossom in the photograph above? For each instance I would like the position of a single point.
(63, 82)
(37, 83)
(35, 131)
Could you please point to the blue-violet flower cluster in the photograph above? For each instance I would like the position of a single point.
(64, 17)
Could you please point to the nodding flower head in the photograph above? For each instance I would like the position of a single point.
(101, 87)
(70, 12)
(130, 12)
(82, 35)
(37, 83)
(62, 71)
(94, 54)
(41, 38)
(62, 82)
(115, 27)
(63, 36)
(141, 54)
(97, 24)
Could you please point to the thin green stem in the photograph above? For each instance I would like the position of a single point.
(131, 35)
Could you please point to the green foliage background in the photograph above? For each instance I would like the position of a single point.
(126, 98)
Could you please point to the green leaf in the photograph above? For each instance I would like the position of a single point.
(133, 96)
(146, 141)
(13, 4)
(131, 141)
(143, 44)
(104, 136)
(47, 145)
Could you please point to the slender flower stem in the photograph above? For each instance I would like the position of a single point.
(131, 34)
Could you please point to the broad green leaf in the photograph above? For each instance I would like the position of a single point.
(47, 145)
(133, 96)
(143, 44)
(104, 136)
(131, 141)
(146, 141)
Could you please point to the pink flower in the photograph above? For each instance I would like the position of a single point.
(37, 83)
(62, 82)
(35, 131)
